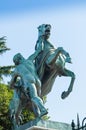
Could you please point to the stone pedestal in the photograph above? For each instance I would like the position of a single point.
(38, 128)
(45, 125)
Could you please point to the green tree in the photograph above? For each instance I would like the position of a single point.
(5, 92)
(4, 70)
(5, 97)
(3, 47)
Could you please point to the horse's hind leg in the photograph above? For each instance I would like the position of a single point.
(72, 75)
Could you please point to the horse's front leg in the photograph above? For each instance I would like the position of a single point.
(72, 75)
(67, 56)
(53, 56)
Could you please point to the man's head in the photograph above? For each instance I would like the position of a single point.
(44, 30)
(18, 58)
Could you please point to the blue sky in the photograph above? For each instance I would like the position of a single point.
(19, 21)
(9, 6)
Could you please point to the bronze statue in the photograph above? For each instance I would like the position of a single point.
(34, 77)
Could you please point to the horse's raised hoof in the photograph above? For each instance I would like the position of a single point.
(64, 94)
(68, 60)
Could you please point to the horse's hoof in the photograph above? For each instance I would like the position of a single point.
(68, 59)
(64, 95)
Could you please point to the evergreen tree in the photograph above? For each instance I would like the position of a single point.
(4, 70)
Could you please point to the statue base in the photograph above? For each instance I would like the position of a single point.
(45, 125)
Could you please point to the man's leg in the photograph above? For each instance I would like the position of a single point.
(36, 99)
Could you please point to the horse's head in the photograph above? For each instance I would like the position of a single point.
(44, 30)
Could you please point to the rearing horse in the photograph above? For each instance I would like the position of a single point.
(50, 62)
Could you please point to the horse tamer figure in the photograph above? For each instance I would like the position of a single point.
(25, 83)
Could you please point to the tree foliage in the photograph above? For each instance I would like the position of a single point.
(5, 92)
(4, 70)
(3, 47)
(5, 97)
